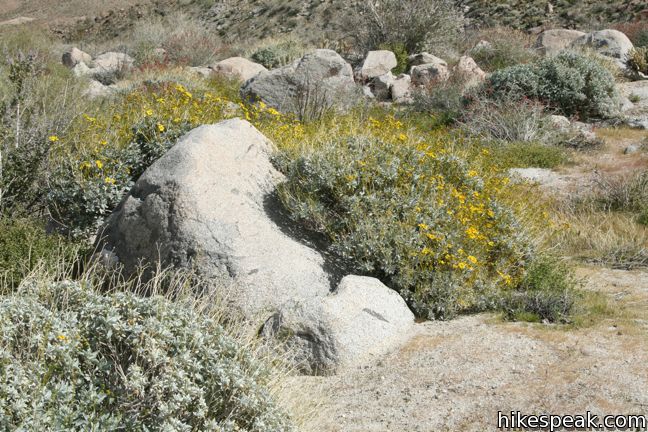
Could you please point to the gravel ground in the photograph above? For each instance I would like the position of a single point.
(456, 375)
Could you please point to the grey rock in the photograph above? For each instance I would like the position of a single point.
(608, 43)
(203, 71)
(96, 89)
(322, 78)
(551, 42)
(401, 89)
(429, 73)
(360, 320)
(81, 69)
(425, 58)
(208, 204)
(631, 149)
(74, 56)
(377, 63)
(470, 72)
(238, 68)
(381, 86)
(637, 122)
(111, 62)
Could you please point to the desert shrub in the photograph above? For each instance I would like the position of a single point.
(444, 100)
(419, 25)
(74, 359)
(39, 101)
(275, 53)
(508, 119)
(547, 292)
(627, 193)
(637, 60)
(507, 48)
(25, 246)
(570, 83)
(419, 219)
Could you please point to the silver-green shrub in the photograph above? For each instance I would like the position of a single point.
(570, 83)
(76, 360)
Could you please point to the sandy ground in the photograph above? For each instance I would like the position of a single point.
(456, 375)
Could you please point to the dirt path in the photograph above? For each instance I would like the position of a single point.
(455, 376)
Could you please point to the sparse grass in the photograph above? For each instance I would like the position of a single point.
(529, 155)
(508, 48)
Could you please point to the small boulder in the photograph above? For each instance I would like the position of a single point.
(321, 77)
(112, 62)
(377, 63)
(425, 58)
(74, 56)
(208, 205)
(608, 43)
(81, 69)
(381, 86)
(482, 45)
(203, 71)
(96, 89)
(428, 73)
(238, 68)
(470, 72)
(631, 149)
(360, 320)
(401, 89)
(560, 123)
(551, 42)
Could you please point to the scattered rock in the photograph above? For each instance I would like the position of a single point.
(207, 204)
(74, 56)
(425, 58)
(472, 74)
(631, 149)
(381, 86)
(551, 42)
(608, 43)
(112, 62)
(203, 71)
(559, 122)
(428, 73)
(366, 91)
(362, 318)
(637, 122)
(482, 45)
(401, 89)
(238, 68)
(377, 63)
(97, 90)
(81, 69)
(321, 77)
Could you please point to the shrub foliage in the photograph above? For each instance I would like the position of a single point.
(73, 359)
(570, 83)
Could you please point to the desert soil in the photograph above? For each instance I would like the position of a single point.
(456, 375)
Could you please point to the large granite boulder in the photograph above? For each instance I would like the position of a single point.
(207, 205)
(74, 56)
(608, 43)
(377, 63)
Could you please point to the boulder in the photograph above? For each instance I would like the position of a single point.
(560, 123)
(381, 86)
(96, 89)
(401, 89)
(74, 56)
(321, 78)
(203, 71)
(360, 320)
(425, 58)
(377, 63)
(631, 149)
(471, 73)
(428, 73)
(208, 204)
(551, 42)
(112, 62)
(81, 69)
(238, 68)
(608, 43)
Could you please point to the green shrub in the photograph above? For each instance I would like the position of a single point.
(73, 359)
(25, 246)
(547, 293)
(443, 100)
(402, 57)
(275, 54)
(570, 83)
(424, 223)
(637, 60)
(528, 155)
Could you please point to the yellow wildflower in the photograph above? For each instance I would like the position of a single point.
(160, 127)
(110, 180)
(472, 259)
(99, 164)
(53, 138)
